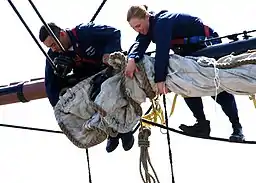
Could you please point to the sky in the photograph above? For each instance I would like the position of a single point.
(29, 156)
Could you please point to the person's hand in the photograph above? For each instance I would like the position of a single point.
(161, 88)
(64, 65)
(64, 60)
(105, 59)
(131, 68)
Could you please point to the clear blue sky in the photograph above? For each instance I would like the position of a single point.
(27, 156)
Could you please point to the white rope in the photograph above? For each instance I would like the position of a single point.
(251, 54)
(216, 78)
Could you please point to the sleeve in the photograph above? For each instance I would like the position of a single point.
(163, 33)
(138, 49)
(52, 86)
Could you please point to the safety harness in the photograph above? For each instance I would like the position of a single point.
(79, 58)
(193, 39)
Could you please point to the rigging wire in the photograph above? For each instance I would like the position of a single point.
(229, 36)
(63, 49)
(31, 34)
(98, 11)
(143, 120)
(46, 26)
(50, 62)
(182, 133)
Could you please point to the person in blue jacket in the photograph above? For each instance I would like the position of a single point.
(86, 47)
(183, 34)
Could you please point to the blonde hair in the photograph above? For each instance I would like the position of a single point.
(139, 12)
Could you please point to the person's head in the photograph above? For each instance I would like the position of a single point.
(138, 18)
(49, 41)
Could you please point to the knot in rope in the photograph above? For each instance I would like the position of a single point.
(143, 137)
(145, 161)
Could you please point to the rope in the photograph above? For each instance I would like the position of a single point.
(155, 113)
(143, 142)
(241, 62)
(32, 35)
(50, 131)
(30, 128)
(98, 11)
(182, 133)
(168, 138)
(144, 132)
(49, 30)
(227, 65)
(89, 167)
(252, 97)
(173, 104)
(143, 120)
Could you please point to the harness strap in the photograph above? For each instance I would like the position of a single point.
(74, 33)
(182, 41)
(206, 31)
(78, 58)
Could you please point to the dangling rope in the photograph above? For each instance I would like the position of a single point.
(89, 167)
(168, 138)
(143, 142)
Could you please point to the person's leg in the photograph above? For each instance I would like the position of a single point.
(202, 127)
(127, 140)
(228, 105)
(112, 143)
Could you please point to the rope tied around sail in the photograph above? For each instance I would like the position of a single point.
(144, 131)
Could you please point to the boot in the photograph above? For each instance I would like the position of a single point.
(112, 143)
(237, 135)
(127, 140)
(200, 129)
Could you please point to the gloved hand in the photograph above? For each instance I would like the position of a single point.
(64, 65)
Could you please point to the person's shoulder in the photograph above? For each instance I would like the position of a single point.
(81, 27)
(164, 16)
(102, 26)
(87, 27)
(187, 15)
(90, 25)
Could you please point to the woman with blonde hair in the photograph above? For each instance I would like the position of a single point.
(184, 34)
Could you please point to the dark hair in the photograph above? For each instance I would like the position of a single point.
(43, 33)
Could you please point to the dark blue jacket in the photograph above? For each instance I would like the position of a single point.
(164, 27)
(90, 43)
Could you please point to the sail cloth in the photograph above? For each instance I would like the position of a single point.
(79, 117)
(87, 123)
(202, 76)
